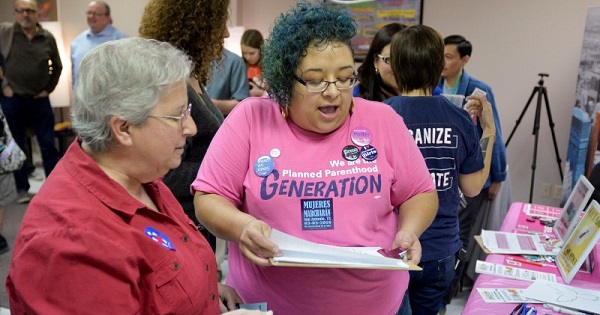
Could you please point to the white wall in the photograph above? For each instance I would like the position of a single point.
(513, 41)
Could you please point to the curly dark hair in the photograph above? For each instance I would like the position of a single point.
(293, 32)
(195, 27)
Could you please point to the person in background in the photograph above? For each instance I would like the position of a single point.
(376, 80)
(100, 31)
(310, 133)
(32, 71)
(456, 161)
(228, 84)
(8, 189)
(198, 28)
(104, 217)
(251, 43)
(455, 80)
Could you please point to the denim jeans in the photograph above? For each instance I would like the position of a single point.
(427, 287)
(36, 112)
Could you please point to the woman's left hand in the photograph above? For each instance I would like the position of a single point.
(228, 298)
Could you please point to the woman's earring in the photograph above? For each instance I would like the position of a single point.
(376, 71)
(284, 112)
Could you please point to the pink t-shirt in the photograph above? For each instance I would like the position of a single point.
(339, 189)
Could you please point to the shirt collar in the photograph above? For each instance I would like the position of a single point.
(85, 170)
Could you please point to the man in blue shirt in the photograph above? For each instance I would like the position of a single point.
(100, 31)
(455, 80)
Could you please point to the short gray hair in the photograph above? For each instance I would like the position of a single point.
(123, 78)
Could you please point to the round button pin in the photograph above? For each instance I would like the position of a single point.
(264, 166)
(350, 153)
(368, 153)
(275, 152)
(361, 136)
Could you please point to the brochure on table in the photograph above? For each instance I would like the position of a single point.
(579, 245)
(511, 272)
(495, 242)
(503, 295)
(568, 218)
(541, 211)
(302, 253)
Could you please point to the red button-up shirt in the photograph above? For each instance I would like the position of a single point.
(86, 246)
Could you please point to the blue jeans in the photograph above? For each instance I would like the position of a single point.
(23, 112)
(427, 287)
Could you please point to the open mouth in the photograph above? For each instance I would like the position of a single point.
(328, 110)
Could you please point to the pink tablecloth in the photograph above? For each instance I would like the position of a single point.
(516, 220)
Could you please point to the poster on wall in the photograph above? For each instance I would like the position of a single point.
(583, 152)
(370, 16)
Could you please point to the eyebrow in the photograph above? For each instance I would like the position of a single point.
(321, 70)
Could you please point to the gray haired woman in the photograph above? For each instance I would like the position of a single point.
(104, 234)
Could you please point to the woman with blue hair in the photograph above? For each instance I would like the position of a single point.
(314, 162)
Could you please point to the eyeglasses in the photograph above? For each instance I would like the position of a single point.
(322, 85)
(384, 58)
(181, 118)
(94, 14)
(28, 11)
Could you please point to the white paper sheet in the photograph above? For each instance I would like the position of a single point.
(564, 295)
(512, 272)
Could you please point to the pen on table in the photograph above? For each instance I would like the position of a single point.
(516, 309)
(562, 309)
(525, 261)
(531, 311)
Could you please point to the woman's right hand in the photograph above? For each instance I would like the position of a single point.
(479, 105)
(255, 244)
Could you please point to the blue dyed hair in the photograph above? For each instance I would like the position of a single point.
(293, 32)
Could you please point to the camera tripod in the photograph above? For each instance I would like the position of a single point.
(540, 90)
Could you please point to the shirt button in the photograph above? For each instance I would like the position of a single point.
(212, 297)
(175, 266)
(186, 238)
(206, 266)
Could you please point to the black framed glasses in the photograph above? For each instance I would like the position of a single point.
(187, 111)
(385, 59)
(28, 11)
(322, 85)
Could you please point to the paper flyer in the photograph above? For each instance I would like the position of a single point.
(541, 211)
(512, 272)
(491, 295)
(564, 295)
(514, 243)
